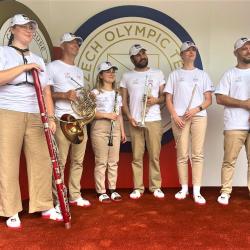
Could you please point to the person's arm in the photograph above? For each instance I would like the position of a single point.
(9, 75)
(232, 102)
(50, 108)
(169, 103)
(157, 100)
(206, 103)
(66, 96)
(125, 107)
(110, 116)
(123, 135)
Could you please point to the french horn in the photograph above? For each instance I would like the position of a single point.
(85, 107)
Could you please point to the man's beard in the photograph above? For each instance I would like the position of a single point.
(141, 64)
(246, 60)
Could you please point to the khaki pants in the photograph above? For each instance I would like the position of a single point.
(77, 153)
(234, 140)
(106, 157)
(195, 129)
(17, 130)
(152, 135)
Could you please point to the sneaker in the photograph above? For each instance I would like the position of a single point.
(136, 194)
(80, 202)
(14, 222)
(52, 214)
(223, 199)
(115, 196)
(199, 199)
(181, 195)
(104, 198)
(158, 194)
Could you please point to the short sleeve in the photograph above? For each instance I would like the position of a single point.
(123, 82)
(223, 87)
(2, 59)
(169, 87)
(208, 85)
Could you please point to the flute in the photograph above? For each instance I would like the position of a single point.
(53, 152)
(115, 110)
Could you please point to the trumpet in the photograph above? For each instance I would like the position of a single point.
(112, 125)
(147, 93)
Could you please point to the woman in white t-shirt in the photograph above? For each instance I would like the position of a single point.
(21, 126)
(189, 93)
(107, 132)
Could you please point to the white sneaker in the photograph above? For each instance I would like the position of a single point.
(14, 222)
(52, 214)
(81, 202)
(159, 194)
(135, 194)
(223, 199)
(199, 199)
(181, 195)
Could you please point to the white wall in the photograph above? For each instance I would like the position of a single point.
(214, 26)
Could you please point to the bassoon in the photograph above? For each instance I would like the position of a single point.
(53, 152)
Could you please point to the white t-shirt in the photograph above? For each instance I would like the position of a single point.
(105, 101)
(181, 83)
(236, 84)
(23, 97)
(134, 82)
(64, 77)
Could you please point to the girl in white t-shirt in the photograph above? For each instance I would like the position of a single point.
(188, 95)
(21, 126)
(107, 132)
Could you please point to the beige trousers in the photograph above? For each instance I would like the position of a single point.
(194, 130)
(23, 130)
(77, 152)
(106, 157)
(234, 140)
(152, 135)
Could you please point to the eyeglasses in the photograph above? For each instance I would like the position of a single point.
(28, 27)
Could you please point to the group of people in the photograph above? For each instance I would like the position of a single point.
(187, 93)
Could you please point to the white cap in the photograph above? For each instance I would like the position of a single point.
(186, 45)
(240, 42)
(105, 66)
(135, 49)
(68, 37)
(21, 19)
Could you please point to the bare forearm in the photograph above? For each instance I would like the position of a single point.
(59, 96)
(207, 100)
(101, 115)
(232, 102)
(170, 106)
(121, 123)
(9, 75)
(48, 101)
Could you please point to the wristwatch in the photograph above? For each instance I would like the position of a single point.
(200, 108)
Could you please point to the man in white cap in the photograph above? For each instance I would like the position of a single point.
(233, 92)
(143, 87)
(65, 78)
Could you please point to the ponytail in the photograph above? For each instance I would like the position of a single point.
(11, 39)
